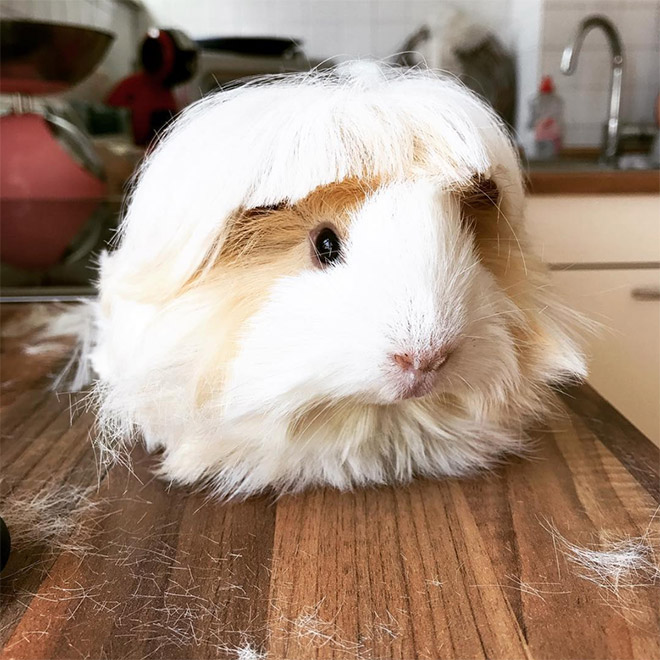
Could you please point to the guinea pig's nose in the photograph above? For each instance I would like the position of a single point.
(422, 361)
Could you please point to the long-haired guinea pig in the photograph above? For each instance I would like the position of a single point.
(323, 279)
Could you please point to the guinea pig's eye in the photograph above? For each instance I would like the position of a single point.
(326, 246)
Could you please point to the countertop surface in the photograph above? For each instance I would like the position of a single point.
(591, 181)
(578, 171)
(114, 564)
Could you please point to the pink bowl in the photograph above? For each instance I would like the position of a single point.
(45, 195)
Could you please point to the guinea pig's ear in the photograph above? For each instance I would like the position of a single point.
(480, 198)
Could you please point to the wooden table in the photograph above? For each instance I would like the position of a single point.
(437, 569)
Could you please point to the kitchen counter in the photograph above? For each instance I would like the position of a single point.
(559, 180)
(578, 171)
(470, 568)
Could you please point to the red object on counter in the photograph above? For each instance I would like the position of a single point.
(168, 58)
(547, 85)
(150, 103)
(46, 195)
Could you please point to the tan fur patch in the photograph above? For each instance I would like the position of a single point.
(499, 236)
(260, 235)
(503, 248)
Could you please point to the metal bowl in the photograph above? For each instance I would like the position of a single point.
(46, 58)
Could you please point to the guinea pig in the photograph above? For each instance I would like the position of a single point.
(324, 279)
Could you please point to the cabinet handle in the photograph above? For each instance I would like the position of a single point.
(646, 293)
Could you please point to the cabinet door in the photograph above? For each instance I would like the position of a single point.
(625, 353)
(595, 229)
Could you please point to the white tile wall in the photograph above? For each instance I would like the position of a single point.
(330, 28)
(586, 92)
(526, 23)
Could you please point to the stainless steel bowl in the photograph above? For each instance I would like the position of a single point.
(46, 58)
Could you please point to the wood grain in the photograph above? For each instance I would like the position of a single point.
(596, 182)
(436, 569)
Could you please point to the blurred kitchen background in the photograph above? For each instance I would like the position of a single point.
(86, 85)
(534, 31)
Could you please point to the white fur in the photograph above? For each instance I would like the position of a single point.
(311, 396)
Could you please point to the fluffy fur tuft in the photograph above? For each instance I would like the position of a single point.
(223, 342)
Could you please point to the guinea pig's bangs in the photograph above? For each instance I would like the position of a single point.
(265, 144)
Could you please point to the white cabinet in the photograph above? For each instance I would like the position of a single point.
(592, 229)
(606, 252)
(624, 354)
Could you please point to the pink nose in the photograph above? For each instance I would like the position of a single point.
(424, 362)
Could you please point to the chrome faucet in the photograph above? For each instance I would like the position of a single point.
(569, 64)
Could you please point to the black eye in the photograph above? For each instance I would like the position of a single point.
(327, 247)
